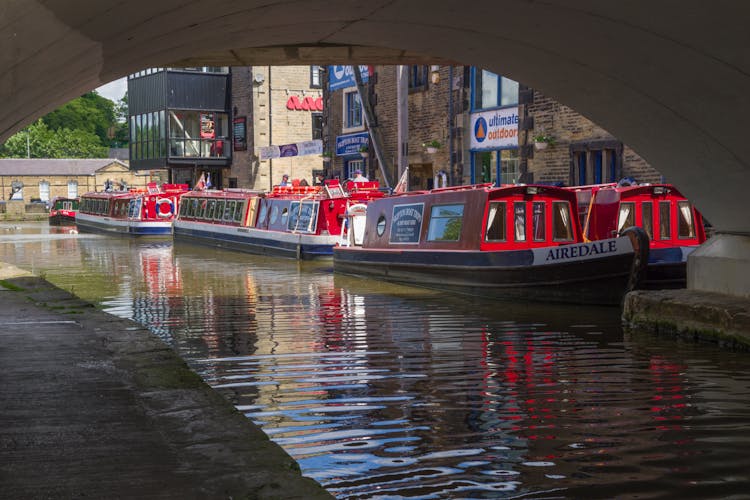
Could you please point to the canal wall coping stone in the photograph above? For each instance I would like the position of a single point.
(690, 314)
(97, 406)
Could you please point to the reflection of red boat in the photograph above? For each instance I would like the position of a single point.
(674, 226)
(509, 242)
(62, 211)
(136, 212)
(303, 222)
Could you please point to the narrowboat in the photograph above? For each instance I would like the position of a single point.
(674, 226)
(62, 211)
(301, 222)
(148, 212)
(507, 242)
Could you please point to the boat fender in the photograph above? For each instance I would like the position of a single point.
(639, 240)
(160, 212)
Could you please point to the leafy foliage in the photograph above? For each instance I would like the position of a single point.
(85, 127)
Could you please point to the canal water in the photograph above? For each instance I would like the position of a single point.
(383, 391)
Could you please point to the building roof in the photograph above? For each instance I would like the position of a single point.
(44, 166)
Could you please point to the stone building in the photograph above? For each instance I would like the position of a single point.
(485, 124)
(280, 105)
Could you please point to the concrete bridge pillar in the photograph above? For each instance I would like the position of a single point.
(722, 265)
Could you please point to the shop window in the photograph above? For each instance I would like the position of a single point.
(596, 164)
(491, 90)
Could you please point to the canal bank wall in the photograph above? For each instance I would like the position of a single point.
(97, 406)
(690, 315)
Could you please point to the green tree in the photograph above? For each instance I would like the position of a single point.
(38, 141)
(90, 112)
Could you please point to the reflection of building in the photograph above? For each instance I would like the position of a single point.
(42, 179)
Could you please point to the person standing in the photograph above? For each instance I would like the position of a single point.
(358, 177)
(284, 180)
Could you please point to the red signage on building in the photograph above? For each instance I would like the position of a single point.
(307, 103)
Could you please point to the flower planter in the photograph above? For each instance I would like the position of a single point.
(364, 154)
(431, 150)
(541, 145)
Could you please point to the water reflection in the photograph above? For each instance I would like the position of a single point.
(382, 391)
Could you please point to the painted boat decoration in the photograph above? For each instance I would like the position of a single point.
(301, 222)
(62, 211)
(674, 226)
(509, 242)
(147, 212)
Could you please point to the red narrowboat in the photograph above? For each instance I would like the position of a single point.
(302, 222)
(674, 226)
(147, 212)
(509, 242)
(62, 211)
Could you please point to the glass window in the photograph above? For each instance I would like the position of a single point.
(496, 222)
(562, 225)
(317, 125)
(352, 110)
(381, 225)
(686, 228)
(284, 215)
(210, 209)
(445, 223)
(418, 75)
(202, 209)
(492, 90)
(316, 78)
(219, 212)
(647, 218)
(665, 231)
(537, 221)
(274, 214)
(596, 165)
(239, 211)
(229, 211)
(510, 166)
(44, 190)
(354, 165)
(519, 220)
(303, 217)
(262, 214)
(485, 165)
(626, 218)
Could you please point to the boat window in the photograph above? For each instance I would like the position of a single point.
(519, 220)
(496, 222)
(229, 211)
(183, 208)
(134, 208)
(274, 214)
(445, 223)
(239, 211)
(202, 211)
(210, 209)
(303, 217)
(263, 214)
(219, 212)
(665, 230)
(562, 224)
(626, 218)
(647, 218)
(537, 221)
(284, 215)
(381, 225)
(686, 229)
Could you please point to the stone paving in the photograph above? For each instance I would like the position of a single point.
(96, 406)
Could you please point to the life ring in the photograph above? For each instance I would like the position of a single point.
(159, 210)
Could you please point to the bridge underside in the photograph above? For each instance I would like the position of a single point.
(670, 79)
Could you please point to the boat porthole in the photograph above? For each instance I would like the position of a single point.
(381, 225)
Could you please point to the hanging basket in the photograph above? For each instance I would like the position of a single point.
(364, 154)
(541, 145)
(431, 150)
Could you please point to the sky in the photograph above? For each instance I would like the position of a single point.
(114, 91)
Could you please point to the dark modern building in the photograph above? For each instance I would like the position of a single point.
(179, 120)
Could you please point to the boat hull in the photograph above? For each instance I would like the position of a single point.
(257, 241)
(62, 220)
(519, 274)
(122, 227)
(667, 268)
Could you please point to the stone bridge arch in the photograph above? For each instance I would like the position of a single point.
(669, 78)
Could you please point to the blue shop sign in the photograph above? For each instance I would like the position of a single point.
(342, 77)
(349, 144)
